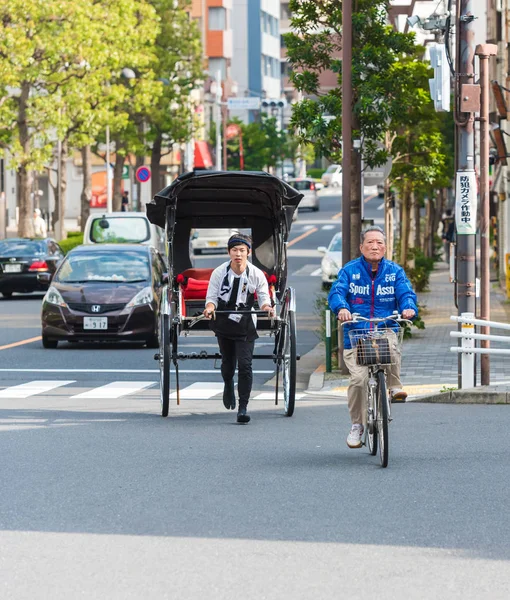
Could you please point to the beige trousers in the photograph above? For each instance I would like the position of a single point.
(357, 391)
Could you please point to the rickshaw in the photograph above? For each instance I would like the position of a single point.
(239, 200)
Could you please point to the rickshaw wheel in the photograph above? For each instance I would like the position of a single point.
(164, 363)
(289, 365)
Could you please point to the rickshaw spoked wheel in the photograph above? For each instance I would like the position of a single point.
(289, 364)
(164, 363)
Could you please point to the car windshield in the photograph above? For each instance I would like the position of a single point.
(332, 168)
(336, 244)
(114, 267)
(117, 230)
(22, 247)
(300, 185)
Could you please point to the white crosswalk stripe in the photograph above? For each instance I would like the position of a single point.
(324, 227)
(25, 390)
(115, 389)
(202, 390)
(381, 206)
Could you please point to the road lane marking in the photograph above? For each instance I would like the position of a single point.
(271, 396)
(21, 343)
(302, 236)
(328, 227)
(25, 390)
(368, 198)
(217, 371)
(115, 389)
(201, 389)
(381, 206)
(316, 273)
(337, 216)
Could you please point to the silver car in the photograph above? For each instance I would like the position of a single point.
(308, 188)
(332, 260)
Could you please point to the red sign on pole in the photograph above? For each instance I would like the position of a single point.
(143, 174)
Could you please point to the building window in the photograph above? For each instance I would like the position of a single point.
(284, 11)
(217, 19)
(269, 24)
(218, 64)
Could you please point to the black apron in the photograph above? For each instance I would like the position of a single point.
(244, 330)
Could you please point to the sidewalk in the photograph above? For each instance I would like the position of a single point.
(429, 369)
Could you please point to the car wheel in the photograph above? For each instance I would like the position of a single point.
(335, 184)
(7, 294)
(326, 285)
(47, 343)
(153, 341)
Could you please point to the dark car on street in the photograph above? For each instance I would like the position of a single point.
(22, 259)
(105, 292)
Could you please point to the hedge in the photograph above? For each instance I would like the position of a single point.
(73, 239)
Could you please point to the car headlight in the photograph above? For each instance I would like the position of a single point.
(53, 296)
(143, 297)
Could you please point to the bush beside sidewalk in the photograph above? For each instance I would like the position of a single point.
(429, 368)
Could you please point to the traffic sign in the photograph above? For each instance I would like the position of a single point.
(244, 103)
(143, 174)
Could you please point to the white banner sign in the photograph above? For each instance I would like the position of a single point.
(465, 205)
(243, 103)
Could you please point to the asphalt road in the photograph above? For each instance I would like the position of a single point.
(102, 498)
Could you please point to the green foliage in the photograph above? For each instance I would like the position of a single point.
(315, 173)
(420, 273)
(73, 240)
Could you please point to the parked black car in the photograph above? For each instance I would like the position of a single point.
(105, 292)
(22, 259)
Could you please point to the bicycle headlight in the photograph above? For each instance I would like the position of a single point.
(142, 297)
(53, 296)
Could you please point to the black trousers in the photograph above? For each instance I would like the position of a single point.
(240, 352)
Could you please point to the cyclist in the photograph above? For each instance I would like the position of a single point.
(371, 286)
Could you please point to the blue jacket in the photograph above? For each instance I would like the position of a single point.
(359, 292)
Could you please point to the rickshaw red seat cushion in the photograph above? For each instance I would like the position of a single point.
(195, 289)
(198, 273)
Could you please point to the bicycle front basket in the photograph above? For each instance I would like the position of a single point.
(372, 347)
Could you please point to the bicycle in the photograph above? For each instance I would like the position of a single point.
(377, 349)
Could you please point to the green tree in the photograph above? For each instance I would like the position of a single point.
(265, 147)
(382, 80)
(46, 50)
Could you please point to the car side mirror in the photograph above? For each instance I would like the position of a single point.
(44, 277)
(322, 249)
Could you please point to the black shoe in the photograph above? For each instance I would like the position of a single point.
(242, 417)
(229, 396)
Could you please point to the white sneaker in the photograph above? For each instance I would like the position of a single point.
(354, 437)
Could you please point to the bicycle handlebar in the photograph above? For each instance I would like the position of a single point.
(357, 318)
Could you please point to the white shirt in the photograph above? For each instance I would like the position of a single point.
(257, 282)
(40, 227)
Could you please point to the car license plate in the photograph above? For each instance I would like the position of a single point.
(12, 268)
(214, 244)
(95, 322)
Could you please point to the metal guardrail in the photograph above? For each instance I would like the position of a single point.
(467, 347)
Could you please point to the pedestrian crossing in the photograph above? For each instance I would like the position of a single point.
(204, 390)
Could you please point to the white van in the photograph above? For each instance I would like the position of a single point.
(123, 227)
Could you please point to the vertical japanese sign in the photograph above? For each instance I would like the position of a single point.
(465, 205)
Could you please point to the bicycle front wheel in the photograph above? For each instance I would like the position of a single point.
(371, 422)
(382, 418)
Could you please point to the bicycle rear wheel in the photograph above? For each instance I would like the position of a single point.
(382, 418)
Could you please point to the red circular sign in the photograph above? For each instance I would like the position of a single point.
(143, 174)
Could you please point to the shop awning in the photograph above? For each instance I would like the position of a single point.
(203, 158)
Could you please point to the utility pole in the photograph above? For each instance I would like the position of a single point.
(346, 128)
(484, 51)
(219, 128)
(467, 102)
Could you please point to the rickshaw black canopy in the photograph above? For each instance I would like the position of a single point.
(228, 199)
(227, 195)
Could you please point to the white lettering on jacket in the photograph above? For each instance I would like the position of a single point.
(359, 289)
(385, 290)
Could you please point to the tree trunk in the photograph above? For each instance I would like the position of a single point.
(155, 165)
(117, 178)
(356, 201)
(429, 222)
(25, 215)
(405, 220)
(417, 224)
(388, 220)
(86, 191)
(137, 190)
(60, 191)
